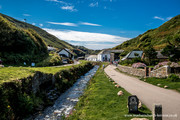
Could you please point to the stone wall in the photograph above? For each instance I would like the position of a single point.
(132, 71)
(161, 72)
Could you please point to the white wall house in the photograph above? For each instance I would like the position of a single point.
(92, 58)
(108, 55)
(66, 53)
(104, 55)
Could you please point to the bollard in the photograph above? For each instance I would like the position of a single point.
(157, 112)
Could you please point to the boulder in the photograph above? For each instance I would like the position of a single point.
(165, 86)
(120, 93)
(158, 84)
(140, 104)
(117, 86)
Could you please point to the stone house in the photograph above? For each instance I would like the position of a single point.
(133, 54)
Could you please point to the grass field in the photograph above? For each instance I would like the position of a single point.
(164, 82)
(100, 102)
(12, 73)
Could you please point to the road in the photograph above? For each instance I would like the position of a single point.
(148, 94)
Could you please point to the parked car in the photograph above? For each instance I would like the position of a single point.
(65, 61)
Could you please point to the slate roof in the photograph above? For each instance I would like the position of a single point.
(131, 55)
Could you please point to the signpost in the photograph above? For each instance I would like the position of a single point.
(133, 103)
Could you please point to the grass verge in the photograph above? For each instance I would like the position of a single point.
(161, 82)
(100, 101)
(12, 73)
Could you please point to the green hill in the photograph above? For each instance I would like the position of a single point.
(167, 33)
(48, 38)
(18, 45)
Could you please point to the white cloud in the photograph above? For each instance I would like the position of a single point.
(33, 23)
(88, 39)
(26, 15)
(168, 18)
(41, 25)
(70, 8)
(91, 24)
(65, 23)
(62, 2)
(94, 4)
(161, 18)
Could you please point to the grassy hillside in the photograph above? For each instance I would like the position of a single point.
(18, 45)
(48, 38)
(158, 38)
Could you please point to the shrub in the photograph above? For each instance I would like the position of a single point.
(51, 61)
(174, 78)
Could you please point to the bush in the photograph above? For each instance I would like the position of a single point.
(174, 78)
(51, 61)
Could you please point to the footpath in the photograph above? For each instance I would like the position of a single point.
(148, 94)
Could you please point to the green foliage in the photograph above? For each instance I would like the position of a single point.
(150, 54)
(174, 78)
(157, 38)
(130, 62)
(20, 45)
(172, 52)
(52, 60)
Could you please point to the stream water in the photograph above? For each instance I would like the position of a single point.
(64, 105)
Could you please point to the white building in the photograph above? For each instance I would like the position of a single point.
(109, 55)
(66, 53)
(104, 55)
(92, 58)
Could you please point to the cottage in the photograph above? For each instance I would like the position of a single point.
(109, 55)
(133, 54)
(92, 58)
(66, 53)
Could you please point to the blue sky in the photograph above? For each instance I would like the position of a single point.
(95, 24)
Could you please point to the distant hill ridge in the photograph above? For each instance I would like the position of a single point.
(48, 38)
(158, 38)
(18, 45)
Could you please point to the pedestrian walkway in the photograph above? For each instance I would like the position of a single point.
(148, 94)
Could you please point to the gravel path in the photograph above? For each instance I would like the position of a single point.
(148, 94)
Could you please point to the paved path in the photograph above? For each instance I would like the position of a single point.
(147, 93)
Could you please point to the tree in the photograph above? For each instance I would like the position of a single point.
(172, 51)
(150, 54)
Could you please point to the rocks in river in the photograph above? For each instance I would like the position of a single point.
(120, 93)
(65, 103)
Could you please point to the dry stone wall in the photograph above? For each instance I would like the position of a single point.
(132, 71)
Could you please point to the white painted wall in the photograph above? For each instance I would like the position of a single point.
(64, 52)
(101, 56)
